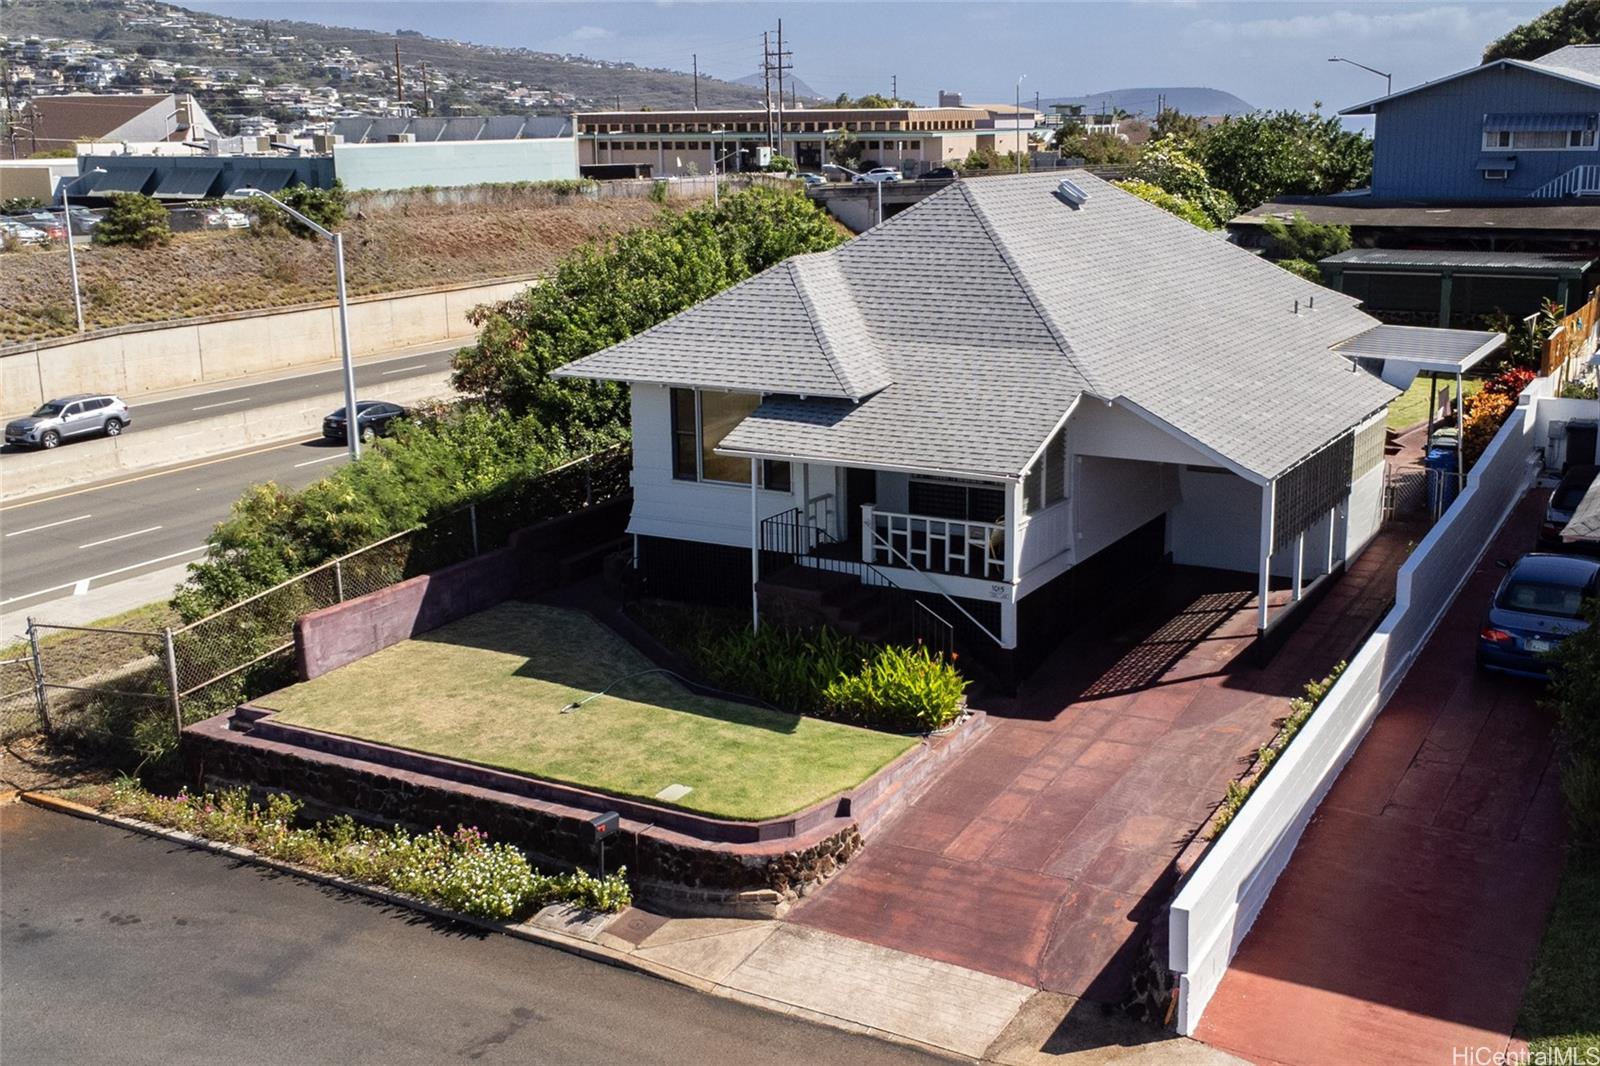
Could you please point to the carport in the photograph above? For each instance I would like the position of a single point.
(1462, 284)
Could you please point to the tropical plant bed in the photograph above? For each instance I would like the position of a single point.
(460, 871)
(553, 693)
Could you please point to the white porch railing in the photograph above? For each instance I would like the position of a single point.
(937, 545)
(1583, 180)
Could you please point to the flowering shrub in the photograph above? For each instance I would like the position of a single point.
(1487, 410)
(461, 871)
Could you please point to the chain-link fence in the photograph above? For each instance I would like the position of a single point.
(90, 683)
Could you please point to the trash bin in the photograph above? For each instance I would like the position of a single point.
(1443, 485)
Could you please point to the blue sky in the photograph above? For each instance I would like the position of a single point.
(1273, 54)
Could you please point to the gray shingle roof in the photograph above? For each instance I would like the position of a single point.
(989, 307)
(1578, 58)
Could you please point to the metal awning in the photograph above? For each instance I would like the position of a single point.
(1497, 162)
(1399, 353)
(123, 179)
(267, 180)
(191, 183)
(1585, 522)
(1549, 120)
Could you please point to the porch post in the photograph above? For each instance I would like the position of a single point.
(1461, 441)
(1264, 553)
(1333, 530)
(1299, 563)
(1013, 524)
(755, 546)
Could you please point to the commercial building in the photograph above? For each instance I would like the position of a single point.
(407, 153)
(676, 143)
(51, 123)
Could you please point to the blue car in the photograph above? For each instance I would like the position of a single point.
(1540, 602)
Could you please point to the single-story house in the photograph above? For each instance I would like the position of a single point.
(1005, 401)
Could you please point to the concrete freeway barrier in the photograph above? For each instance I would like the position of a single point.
(26, 474)
(135, 360)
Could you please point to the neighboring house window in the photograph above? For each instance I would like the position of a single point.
(1539, 133)
(1046, 481)
(699, 422)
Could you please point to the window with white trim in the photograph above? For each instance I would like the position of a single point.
(700, 420)
(1578, 131)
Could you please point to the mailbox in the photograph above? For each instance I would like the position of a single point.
(604, 826)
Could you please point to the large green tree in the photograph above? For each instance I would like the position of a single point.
(1168, 166)
(598, 298)
(1575, 22)
(1257, 157)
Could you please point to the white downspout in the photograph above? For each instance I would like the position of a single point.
(755, 547)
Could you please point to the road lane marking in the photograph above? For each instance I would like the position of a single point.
(48, 525)
(324, 459)
(119, 536)
(160, 473)
(402, 370)
(81, 588)
(224, 403)
(97, 577)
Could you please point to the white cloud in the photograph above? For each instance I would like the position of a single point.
(1450, 21)
(589, 33)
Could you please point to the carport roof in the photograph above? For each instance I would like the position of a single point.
(1571, 266)
(1426, 348)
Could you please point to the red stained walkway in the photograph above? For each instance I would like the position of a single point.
(1042, 854)
(1405, 925)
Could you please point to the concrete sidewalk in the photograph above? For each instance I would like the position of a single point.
(1405, 926)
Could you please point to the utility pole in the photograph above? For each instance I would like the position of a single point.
(766, 78)
(399, 84)
(427, 104)
(696, 60)
(782, 66)
(894, 87)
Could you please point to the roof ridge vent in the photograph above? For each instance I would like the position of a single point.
(1071, 193)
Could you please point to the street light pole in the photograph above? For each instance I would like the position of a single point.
(72, 253)
(352, 428)
(1388, 79)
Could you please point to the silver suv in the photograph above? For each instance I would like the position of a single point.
(71, 416)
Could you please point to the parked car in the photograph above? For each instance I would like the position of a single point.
(1539, 604)
(233, 218)
(375, 417)
(1563, 501)
(941, 174)
(879, 174)
(21, 233)
(84, 221)
(83, 415)
(813, 179)
(47, 222)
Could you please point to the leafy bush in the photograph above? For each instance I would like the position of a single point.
(1486, 410)
(1263, 155)
(325, 207)
(599, 297)
(1574, 694)
(13, 204)
(134, 219)
(1579, 390)
(1300, 239)
(826, 674)
(1167, 201)
(1168, 166)
(899, 688)
(461, 871)
(1302, 268)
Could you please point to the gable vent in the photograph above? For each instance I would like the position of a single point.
(1071, 193)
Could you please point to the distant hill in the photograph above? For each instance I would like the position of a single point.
(300, 47)
(790, 84)
(1189, 100)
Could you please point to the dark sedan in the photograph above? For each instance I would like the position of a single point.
(1539, 604)
(374, 417)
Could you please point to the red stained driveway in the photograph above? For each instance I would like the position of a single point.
(1042, 855)
(1406, 923)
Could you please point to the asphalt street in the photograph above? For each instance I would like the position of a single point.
(123, 948)
(260, 393)
(87, 537)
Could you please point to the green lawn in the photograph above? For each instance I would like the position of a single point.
(1411, 406)
(490, 689)
(1560, 1014)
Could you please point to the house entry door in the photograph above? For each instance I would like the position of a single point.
(860, 487)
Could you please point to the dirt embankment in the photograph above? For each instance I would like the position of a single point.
(415, 245)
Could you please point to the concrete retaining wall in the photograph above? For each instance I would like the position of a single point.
(81, 462)
(135, 360)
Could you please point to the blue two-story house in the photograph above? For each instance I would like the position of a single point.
(1506, 130)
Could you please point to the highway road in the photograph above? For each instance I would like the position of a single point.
(87, 537)
(149, 415)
